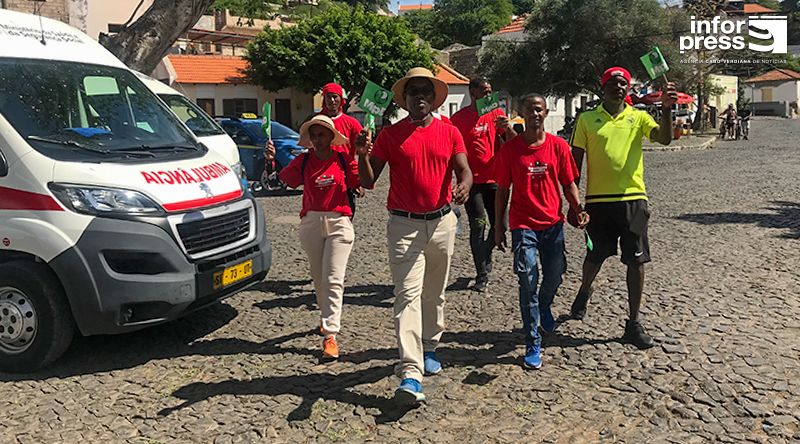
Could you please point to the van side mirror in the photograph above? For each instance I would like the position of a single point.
(3, 165)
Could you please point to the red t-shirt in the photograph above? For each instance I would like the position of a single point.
(420, 164)
(535, 173)
(325, 183)
(480, 134)
(350, 128)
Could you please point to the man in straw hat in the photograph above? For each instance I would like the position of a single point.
(610, 137)
(422, 153)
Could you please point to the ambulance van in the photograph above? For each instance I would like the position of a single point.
(113, 216)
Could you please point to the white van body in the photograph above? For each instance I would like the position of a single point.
(202, 125)
(113, 216)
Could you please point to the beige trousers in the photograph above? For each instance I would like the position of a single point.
(419, 259)
(327, 238)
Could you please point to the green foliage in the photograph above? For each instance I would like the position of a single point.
(569, 43)
(347, 45)
(771, 4)
(460, 21)
(267, 9)
(522, 6)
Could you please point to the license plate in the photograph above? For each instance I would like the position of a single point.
(233, 274)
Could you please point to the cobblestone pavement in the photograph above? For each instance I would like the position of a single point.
(721, 299)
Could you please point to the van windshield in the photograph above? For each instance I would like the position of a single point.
(96, 110)
(195, 118)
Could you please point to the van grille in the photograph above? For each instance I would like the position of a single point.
(214, 232)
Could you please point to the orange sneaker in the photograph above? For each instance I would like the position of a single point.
(330, 350)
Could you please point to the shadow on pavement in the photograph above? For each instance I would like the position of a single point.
(360, 295)
(461, 283)
(786, 216)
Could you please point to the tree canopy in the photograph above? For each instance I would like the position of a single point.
(460, 21)
(342, 44)
(569, 43)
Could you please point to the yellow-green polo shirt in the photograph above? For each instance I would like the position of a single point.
(613, 147)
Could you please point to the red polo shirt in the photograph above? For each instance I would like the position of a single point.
(535, 173)
(350, 128)
(420, 164)
(480, 135)
(325, 183)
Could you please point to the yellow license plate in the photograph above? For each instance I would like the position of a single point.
(233, 274)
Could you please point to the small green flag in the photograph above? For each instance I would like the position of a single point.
(589, 244)
(488, 103)
(266, 124)
(369, 122)
(654, 63)
(375, 99)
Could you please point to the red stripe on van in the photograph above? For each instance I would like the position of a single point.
(12, 199)
(204, 202)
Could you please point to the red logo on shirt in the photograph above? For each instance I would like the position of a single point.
(537, 170)
(324, 181)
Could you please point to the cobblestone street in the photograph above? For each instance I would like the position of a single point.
(722, 298)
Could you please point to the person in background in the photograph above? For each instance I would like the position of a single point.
(326, 231)
(483, 135)
(422, 152)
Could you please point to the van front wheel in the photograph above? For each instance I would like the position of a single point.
(36, 326)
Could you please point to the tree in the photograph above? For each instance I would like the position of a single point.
(143, 43)
(522, 6)
(569, 43)
(343, 44)
(460, 21)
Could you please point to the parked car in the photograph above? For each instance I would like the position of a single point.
(251, 141)
(207, 130)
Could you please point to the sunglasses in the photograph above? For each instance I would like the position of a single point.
(424, 91)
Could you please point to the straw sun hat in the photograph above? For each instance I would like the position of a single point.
(439, 87)
(324, 121)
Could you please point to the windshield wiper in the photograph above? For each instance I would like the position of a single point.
(69, 143)
(169, 146)
(75, 144)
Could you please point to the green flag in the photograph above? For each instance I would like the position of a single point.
(589, 244)
(374, 100)
(488, 103)
(266, 124)
(369, 122)
(654, 63)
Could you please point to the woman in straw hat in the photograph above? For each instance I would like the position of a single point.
(422, 152)
(326, 232)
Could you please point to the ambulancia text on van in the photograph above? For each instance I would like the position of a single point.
(113, 217)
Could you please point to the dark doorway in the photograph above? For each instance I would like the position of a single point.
(208, 106)
(283, 111)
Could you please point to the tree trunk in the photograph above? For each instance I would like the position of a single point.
(143, 43)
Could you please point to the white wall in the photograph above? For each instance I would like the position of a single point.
(788, 91)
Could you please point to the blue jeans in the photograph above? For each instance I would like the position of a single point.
(548, 244)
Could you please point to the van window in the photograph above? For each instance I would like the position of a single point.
(192, 115)
(66, 106)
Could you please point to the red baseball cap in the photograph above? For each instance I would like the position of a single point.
(615, 71)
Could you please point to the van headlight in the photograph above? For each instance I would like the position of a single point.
(238, 168)
(100, 201)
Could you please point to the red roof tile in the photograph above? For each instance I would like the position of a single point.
(516, 25)
(208, 69)
(450, 76)
(415, 7)
(755, 8)
(776, 75)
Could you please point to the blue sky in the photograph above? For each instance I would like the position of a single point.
(393, 3)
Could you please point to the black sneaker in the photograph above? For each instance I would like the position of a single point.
(578, 309)
(481, 286)
(635, 334)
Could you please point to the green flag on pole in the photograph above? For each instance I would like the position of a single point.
(654, 63)
(375, 99)
(266, 124)
(488, 103)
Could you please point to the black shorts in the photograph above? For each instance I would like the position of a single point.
(623, 222)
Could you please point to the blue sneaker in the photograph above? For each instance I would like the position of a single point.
(533, 357)
(409, 392)
(546, 320)
(432, 364)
